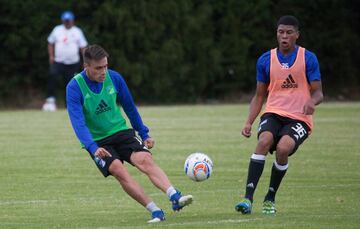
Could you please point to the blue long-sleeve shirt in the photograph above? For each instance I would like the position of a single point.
(75, 100)
(311, 65)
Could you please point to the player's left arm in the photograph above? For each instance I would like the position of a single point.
(314, 78)
(315, 98)
(149, 142)
(130, 109)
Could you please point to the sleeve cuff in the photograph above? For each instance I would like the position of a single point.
(144, 136)
(92, 148)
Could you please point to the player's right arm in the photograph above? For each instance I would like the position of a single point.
(74, 100)
(102, 152)
(255, 107)
(263, 78)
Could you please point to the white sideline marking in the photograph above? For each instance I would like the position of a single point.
(44, 202)
(212, 222)
(20, 202)
(165, 224)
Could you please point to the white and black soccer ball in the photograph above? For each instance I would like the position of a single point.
(198, 166)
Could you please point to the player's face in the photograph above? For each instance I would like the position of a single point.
(287, 36)
(96, 69)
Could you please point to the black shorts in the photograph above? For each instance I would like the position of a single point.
(280, 126)
(120, 145)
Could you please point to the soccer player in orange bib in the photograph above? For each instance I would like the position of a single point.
(288, 77)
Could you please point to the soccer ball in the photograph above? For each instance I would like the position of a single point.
(198, 166)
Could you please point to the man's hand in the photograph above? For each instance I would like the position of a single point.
(309, 107)
(246, 131)
(149, 143)
(101, 152)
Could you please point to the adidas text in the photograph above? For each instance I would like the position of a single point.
(102, 107)
(289, 83)
(102, 110)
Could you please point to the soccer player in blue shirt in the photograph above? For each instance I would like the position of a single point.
(91, 98)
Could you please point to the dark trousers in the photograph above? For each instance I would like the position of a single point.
(65, 71)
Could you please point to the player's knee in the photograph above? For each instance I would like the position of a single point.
(264, 144)
(282, 151)
(120, 174)
(144, 161)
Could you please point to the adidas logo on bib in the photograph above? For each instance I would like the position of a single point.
(102, 107)
(289, 83)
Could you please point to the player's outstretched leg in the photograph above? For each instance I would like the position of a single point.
(134, 190)
(144, 162)
(179, 201)
(244, 206)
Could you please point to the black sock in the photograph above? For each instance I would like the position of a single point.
(256, 168)
(275, 180)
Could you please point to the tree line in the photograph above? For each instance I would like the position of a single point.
(180, 51)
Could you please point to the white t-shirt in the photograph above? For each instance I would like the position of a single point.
(67, 43)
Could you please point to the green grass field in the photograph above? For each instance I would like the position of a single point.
(47, 181)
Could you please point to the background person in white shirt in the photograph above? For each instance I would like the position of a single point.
(65, 43)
